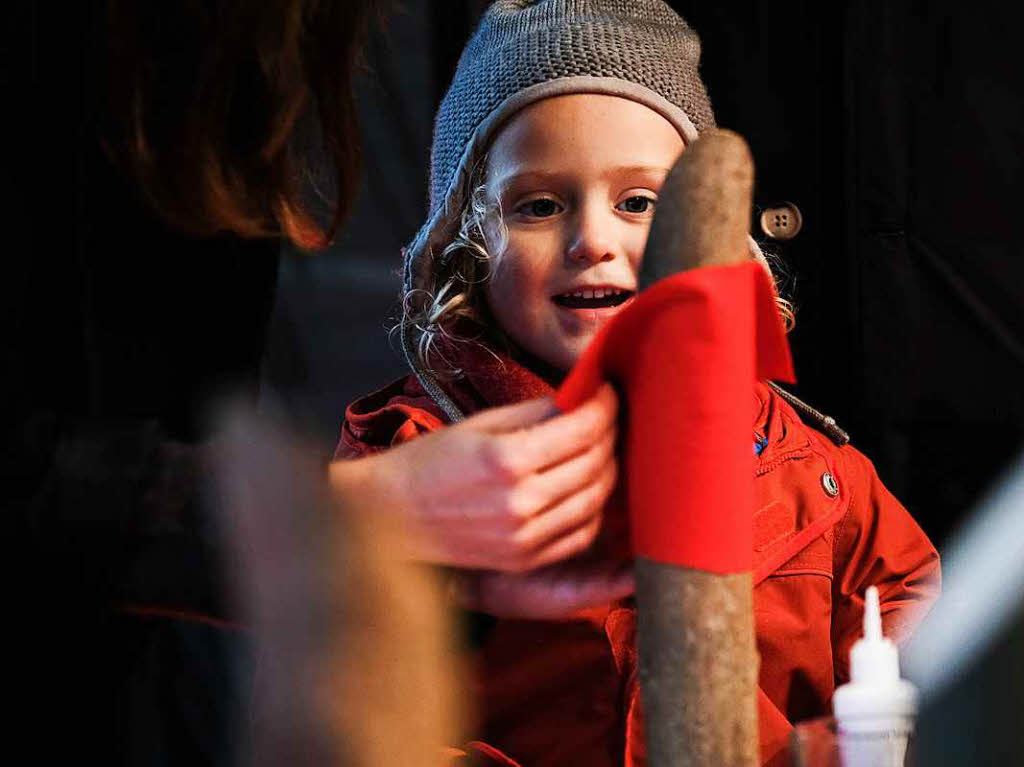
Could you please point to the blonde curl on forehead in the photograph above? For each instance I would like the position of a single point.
(436, 316)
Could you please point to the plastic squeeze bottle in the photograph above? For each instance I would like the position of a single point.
(875, 710)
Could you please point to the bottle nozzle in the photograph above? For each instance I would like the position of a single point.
(875, 700)
(872, 615)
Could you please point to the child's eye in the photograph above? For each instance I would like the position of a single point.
(542, 207)
(636, 204)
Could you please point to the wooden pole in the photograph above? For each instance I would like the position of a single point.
(698, 659)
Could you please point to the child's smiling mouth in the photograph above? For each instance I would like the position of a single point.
(593, 303)
(597, 297)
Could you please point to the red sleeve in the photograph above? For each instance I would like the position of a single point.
(388, 417)
(878, 543)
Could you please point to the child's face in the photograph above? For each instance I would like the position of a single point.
(577, 178)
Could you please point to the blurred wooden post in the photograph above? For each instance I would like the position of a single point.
(351, 642)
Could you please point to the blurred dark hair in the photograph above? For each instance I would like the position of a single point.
(209, 105)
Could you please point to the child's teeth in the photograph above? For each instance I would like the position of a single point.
(590, 293)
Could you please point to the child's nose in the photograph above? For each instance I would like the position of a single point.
(592, 242)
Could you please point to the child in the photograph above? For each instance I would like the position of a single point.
(549, 150)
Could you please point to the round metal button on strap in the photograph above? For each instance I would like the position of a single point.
(782, 222)
(829, 483)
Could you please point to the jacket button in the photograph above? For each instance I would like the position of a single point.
(829, 483)
(781, 222)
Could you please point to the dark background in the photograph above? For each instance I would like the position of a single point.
(897, 129)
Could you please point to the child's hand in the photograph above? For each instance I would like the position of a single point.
(509, 489)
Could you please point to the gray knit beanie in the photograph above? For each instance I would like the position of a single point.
(527, 50)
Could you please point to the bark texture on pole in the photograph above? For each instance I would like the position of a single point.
(698, 666)
(704, 208)
(698, 660)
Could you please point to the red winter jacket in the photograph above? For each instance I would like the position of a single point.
(825, 528)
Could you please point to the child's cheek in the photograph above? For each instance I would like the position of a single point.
(505, 290)
(636, 249)
(520, 270)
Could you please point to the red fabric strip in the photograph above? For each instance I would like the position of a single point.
(686, 354)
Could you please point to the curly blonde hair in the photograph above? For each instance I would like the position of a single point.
(438, 314)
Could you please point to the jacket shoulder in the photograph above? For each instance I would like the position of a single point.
(400, 411)
(810, 489)
(798, 427)
(825, 509)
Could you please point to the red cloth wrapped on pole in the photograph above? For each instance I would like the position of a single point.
(686, 353)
